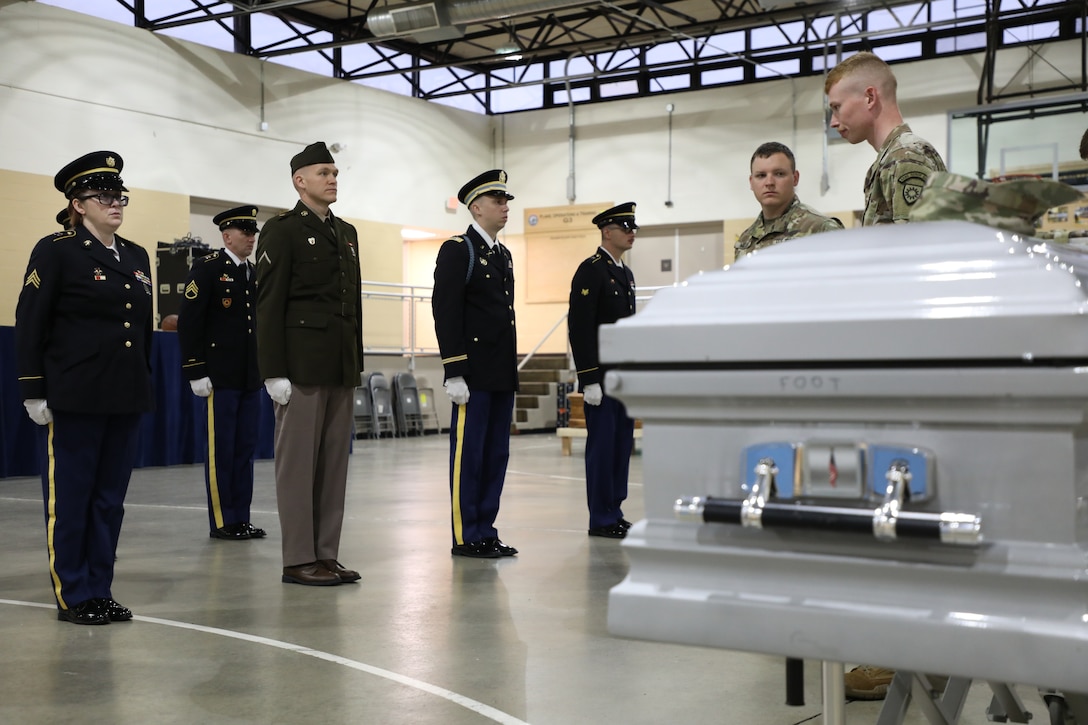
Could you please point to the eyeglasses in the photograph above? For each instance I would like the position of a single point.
(106, 199)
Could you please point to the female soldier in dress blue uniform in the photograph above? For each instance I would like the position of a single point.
(83, 344)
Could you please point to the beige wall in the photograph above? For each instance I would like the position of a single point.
(151, 216)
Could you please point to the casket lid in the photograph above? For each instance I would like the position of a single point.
(926, 291)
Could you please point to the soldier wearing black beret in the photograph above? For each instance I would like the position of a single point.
(310, 354)
(83, 346)
(218, 334)
(473, 306)
(603, 291)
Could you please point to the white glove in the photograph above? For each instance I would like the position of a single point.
(202, 387)
(279, 389)
(592, 394)
(457, 389)
(38, 410)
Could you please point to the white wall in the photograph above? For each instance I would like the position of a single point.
(185, 118)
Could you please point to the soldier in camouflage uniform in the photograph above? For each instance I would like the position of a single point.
(773, 178)
(861, 94)
(1014, 206)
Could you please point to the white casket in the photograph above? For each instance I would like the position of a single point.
(868, 446)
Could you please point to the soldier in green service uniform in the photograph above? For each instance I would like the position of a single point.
(861, 94)
(773, 179)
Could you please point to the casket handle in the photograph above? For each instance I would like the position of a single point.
(957, 529)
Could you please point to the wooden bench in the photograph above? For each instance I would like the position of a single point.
(567, 434)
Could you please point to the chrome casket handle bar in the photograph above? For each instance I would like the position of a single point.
(946, 528)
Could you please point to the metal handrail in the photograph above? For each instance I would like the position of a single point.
(422, 293)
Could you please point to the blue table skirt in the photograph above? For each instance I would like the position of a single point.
(173, 434)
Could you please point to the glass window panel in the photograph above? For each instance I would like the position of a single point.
(972, 41)
(903, 51)
(576, 94)
(776, 36)
(722, 44)
(1030, 33)
(775, 69)
(721, 76)
(508, 100)
(832, 60)
(669, 53)
(619, 88)
(670, 83)
(578, 65)
(620, 59)
(521, 73)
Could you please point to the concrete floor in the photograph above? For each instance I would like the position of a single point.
(424, 638)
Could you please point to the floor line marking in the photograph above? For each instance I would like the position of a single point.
(466, 702)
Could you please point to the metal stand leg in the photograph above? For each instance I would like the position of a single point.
(834, 693)
(1005, 705)
(795, 682)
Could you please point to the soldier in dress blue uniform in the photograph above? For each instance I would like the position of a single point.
(83, 344)
(603, 291)
(473, 306)
(217, 327)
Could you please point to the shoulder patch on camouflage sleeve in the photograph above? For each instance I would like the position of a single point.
(911, 183)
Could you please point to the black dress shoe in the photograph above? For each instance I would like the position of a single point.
(311, 575)
(500, 547)
(112, 609)
(231, 532)
(254, 532)
(624, 523)
(476, 550)
(83, 613)
(615, 531)
(345, 574)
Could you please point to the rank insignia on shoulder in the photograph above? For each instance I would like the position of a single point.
(210, 257)
(191, 291)
(33, 279)
(98, 275)
(585, 293)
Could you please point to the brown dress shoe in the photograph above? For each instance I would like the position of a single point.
(312, 574)
(346, 575)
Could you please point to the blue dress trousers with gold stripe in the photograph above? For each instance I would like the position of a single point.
(83, 343)
(474, 322)
(217, 328)
(601, 293)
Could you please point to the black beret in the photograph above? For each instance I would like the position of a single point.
(97, 170)
(623, 215)
(315, 153)
(64, 219)
(490, 182)
(240, 217)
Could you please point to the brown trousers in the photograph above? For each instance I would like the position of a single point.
(313, 440)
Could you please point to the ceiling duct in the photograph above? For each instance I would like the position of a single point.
(437, 20)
